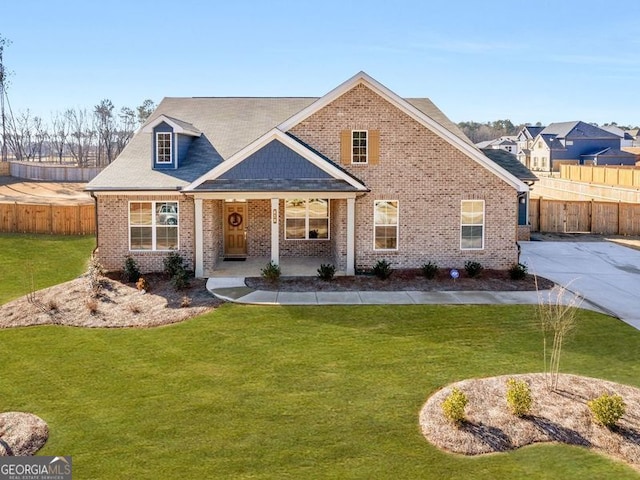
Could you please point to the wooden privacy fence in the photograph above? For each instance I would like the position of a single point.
(618, 175)
(53, 173)
(609, 218)
(51, 219)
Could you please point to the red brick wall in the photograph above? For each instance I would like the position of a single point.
(428, 176)
(113, 232)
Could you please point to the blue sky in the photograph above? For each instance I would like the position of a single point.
(528, 61)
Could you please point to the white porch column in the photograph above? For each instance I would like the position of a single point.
(351, 236)
(199, 246)
(275, 231)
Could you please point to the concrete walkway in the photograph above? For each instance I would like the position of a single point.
(233, 289)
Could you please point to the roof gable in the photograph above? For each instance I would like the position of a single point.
(178, 126)
(277, 155)
(577, 129)
(460, 142)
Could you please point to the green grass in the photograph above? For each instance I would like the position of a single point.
(48, 259)
(293, 392)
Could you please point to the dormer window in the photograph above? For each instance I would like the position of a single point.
(163, 147)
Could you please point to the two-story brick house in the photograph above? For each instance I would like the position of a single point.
(357, 175)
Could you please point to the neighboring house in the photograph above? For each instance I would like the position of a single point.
(358, 175)
(609, 156)
(626, 140)
(506, 143)
(566, 143)
(524, 143)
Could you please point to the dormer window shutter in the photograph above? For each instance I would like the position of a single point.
(374, 147)
(345, 147)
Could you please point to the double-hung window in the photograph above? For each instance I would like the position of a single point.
(153, 225)
(385, 224)
(163, 147)
(472, 225)
(306, 219)
(359, 150)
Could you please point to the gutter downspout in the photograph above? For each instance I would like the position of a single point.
(95, 201)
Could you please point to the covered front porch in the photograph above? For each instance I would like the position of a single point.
(289, 267)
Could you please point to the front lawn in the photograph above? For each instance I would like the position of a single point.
(44, 259)
(293, 392)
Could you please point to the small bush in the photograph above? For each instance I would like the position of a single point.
(52, 305)
(131, 272)
(142, 284)
(185, 302)
(326, 271)
(473, 269)
(382, 269)
(518, 271)
(180, 279)
(92, 306)
(453, 406)
(429, 270)
(271, 271)
(607, 409)
(519, 397)
(173, 263)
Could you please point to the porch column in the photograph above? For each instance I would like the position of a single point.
(351, 236)
(275, 231)
(199, 246)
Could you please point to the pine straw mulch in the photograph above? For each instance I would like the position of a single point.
(560, 416)
(116, 304)
(405, 280)
(21, 434)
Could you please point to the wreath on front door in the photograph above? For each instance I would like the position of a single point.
(235, 219)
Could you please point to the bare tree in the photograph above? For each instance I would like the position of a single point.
(81, 135)
(59, 134)
(40, 137)
(126, 128)
(106, 129)
(145, 110)
(3, 85)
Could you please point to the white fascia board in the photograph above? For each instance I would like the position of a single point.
(176, 128)
(268, 137)
(413, 112)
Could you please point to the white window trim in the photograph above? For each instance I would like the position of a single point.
(153, 225)
(397, 225)
(366, 146)
(483, 224)
(306, 221)
(164, 162)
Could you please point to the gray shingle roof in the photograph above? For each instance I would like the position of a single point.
(228, 124)
(276, 185)
(510, 163)
(576, 129)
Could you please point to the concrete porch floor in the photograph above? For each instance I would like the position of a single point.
(252, 266)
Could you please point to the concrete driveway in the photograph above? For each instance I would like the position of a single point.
(604, 273)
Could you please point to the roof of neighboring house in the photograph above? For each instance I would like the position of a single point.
(610, 152)
(551, 141)
(576, 129)
(496, 142)
(509, 162)
(532, 130)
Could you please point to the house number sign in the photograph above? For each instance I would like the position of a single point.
(235, 219)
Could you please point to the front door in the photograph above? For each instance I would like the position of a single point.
(235, 229)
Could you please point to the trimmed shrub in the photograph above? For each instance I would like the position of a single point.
(131, 272)
(473, 269)
(518, 271)
(180, 279)
(607, 409)
(173, 263)
(429, 270)
(382, 269)
(271, 271)
(453, 406)
(326, 271)
(519, 397)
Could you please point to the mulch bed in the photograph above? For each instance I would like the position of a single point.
(404, 280)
